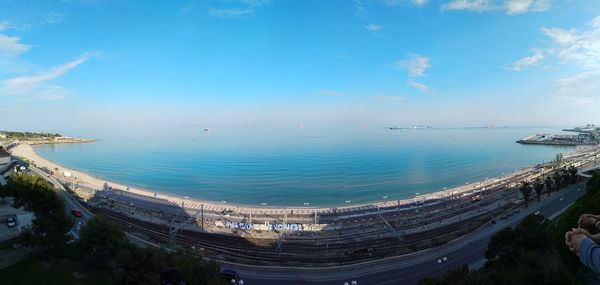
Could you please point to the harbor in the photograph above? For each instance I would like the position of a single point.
(586, 135)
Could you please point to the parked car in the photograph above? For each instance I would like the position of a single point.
(11, 221)
(76, 213)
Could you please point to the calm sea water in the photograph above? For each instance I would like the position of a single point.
(323, 167)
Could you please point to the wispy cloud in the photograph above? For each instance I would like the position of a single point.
(419, 2)
(373, 27)
(331, 93)
(510, 7)
(230, 13)
(469, 5)
(186, 9)
(398, 2)
(54, 18)
(35, 85)
(419, 86)
(524, 6)
(11, 45)
(527, 61)
(389, 98)
(416, 65)
(582, 87)
(235, 8)
(581, 50)
(582, 47)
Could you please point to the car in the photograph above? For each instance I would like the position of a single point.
(11, 221)
(228, 274)
(76, 213)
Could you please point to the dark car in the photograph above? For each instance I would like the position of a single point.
(229, 274)
(11, 221)
(76, 213)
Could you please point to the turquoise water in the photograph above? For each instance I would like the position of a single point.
(323, 167)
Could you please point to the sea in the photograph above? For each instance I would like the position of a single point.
(302, 165)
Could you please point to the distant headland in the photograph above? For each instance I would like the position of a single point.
(34, 138)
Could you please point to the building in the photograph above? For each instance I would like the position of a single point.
(5, 159)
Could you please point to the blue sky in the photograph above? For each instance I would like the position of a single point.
(74, 64)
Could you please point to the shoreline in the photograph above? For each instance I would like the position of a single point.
(84, 179)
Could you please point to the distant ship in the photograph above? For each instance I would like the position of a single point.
(411, 127)
(206, 129)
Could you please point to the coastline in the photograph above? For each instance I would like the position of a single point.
(26, 151)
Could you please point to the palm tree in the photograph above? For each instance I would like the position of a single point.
(538, 187)
(556, 178)
(548, 182)
(526, 191)
(559, 159)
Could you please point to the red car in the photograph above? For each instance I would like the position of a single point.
(76, 213)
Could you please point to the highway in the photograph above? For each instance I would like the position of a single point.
(411, 268)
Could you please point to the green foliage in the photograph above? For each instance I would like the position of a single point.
(28, 135)
(101, 239)
(534, 251)
(58, 272)
(50, 227)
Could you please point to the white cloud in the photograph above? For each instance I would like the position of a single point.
(390, 98)
(54, 18)
(230, 13)
(469, 5)
(419, 2)
(572, 46)
(397, 2)
(415, 64)
(419, 86)
(373, 27)
(583, 87)
(527, 61)
(236, 8)
(186, 9)
(511, 7)
(10, 46)
(524, 6)
(331, 93)
(33, 85)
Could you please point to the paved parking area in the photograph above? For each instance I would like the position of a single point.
(23, 220)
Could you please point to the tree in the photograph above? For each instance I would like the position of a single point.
(101, 239)
(526, 192)
(557, 179)
(559, 160)
(49, 228)
(538, 187)
(548, 182)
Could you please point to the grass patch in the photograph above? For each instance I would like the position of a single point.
(60, 271)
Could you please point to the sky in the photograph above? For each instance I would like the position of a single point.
(71, 65)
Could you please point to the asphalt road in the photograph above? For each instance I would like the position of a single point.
(409, 269)
(68, 200)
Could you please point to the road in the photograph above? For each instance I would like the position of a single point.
(409, 269)
(70, 202)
